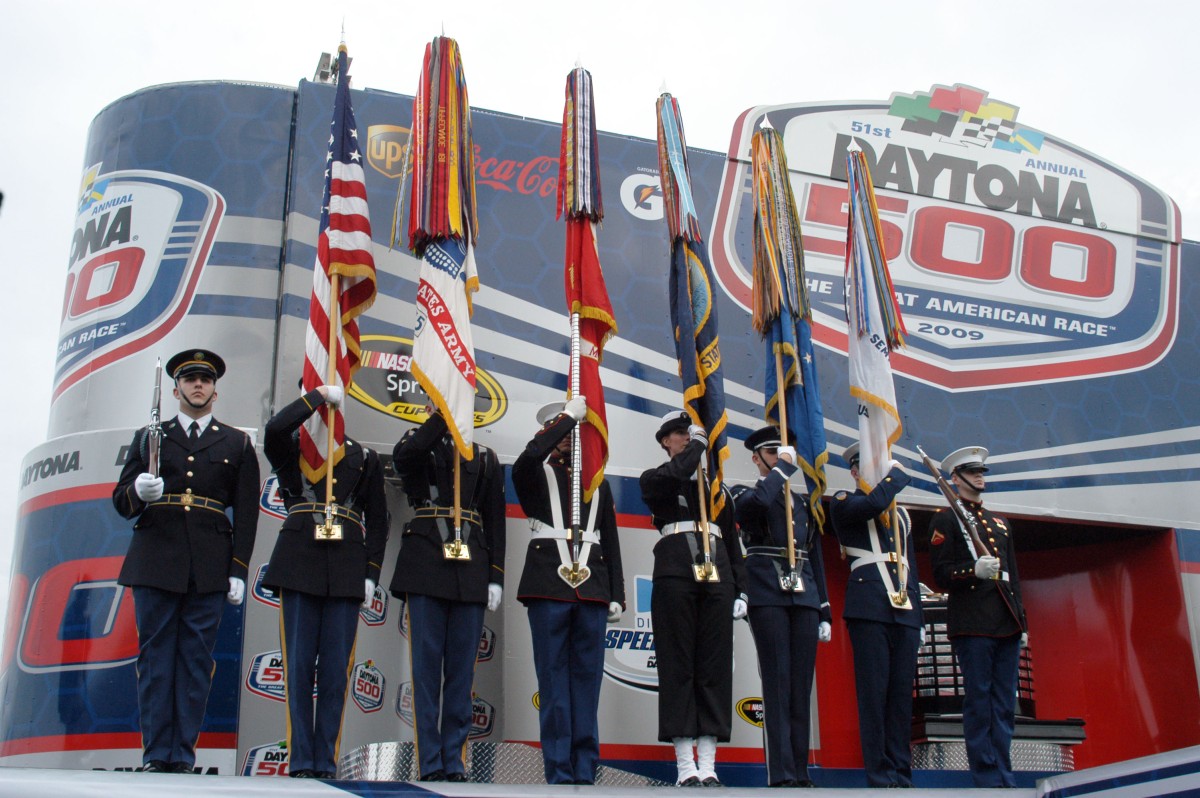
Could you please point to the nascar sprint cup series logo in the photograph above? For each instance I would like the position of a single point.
(1016, 257)
(141, 240)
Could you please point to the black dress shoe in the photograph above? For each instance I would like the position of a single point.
(437, 775)
(690, 781)
(711, 781)
(302, 773)
(784, 783)
(460, 777)
(181, 767)
(807, 783)
(156, 766)
(324, 774)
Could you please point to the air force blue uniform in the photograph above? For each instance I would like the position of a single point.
(784, 622)
(321, 582)
(884, 638)
(446, 599)
(567, 624)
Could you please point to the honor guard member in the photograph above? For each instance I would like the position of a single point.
(693, 620)
(567, 620)
(186, 557)
(788, 615)
(884, 637)
(321, 582)
(447, 586)
(986, 623)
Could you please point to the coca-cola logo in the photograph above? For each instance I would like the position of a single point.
(537, 176)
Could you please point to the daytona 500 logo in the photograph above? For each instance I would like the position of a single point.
(1015, 257)
(141, 240)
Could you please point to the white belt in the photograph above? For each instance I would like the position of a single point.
(866, 557)
(540, 530)
(689, 526)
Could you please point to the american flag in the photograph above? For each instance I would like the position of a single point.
(344, 251)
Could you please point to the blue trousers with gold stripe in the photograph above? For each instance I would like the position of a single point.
(316, 627)
(176, 636)
(444, 638)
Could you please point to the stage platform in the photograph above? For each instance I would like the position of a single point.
(1175, 773)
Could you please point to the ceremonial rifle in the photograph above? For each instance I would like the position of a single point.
(966, 521)
(154, 431)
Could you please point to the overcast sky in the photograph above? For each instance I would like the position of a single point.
(1114, 78)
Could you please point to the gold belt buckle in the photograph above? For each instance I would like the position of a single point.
(186, 498)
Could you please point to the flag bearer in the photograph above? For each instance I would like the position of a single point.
(446, 587)
(322, 582)
(693, 620)
(788, 615)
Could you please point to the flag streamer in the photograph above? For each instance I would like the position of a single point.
(579, 198)
(441, 232)
(874, 326)
(693, 305)
(782, 314)
(344, 251)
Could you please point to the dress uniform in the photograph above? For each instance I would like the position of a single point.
(567, 623)
(786, 623)
(693, 629)
(186, 555)
(884, 638)
(446, 598)
(986, 619)
(321, 583)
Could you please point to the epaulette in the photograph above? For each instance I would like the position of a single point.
(841, 495)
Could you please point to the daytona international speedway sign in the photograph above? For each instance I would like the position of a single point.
(1016, 257)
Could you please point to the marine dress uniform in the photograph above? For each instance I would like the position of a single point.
(784, 622)
(884, 638)
(693, 621)
(566, 623)
(185, 557)
(322, 583)
(446, 598)
(986, 621)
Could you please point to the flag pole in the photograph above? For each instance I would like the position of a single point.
(329, 530)
(787, 491)
(576, 576)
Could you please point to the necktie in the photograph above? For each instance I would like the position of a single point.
(194, 431)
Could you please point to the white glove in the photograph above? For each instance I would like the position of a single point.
(739, 609)
(922, 635)
(698, 433)
(576, 408)
(237, 591)
(787, 454)
(369, 592)
(333, 395)
(1024, 639)
(987, 567)
(824, 632)
(495, 593)
(893, 464)
(148, 488)
(614, 612)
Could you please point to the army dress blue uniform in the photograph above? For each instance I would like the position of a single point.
(884, 638)
(446, 599)
(784, 622)
(985, 620)
(693, 621)
(182, 555)
(321, 582)
(567, 624)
